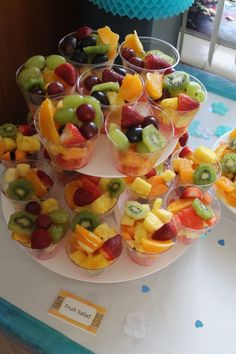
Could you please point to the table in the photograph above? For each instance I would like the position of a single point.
(189, 306)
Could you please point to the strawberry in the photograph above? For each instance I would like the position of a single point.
(130, 117)
(26, 130)
(155, 62)
(112, 248)
(94, 179)
(169, 71)
(71, 136)
(46, 179)
(40, 238)
(184, 139)
(109, 75)
(83, 197)
(167, 232)
(191, 192)
(151, 173)
(67, 73)
(83, 32)
(90, 186)
(186, 151)
(189, 218)
(186, 103)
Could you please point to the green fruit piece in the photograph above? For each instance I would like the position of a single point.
(116, 186)
(232, 144)
(106, 86)
(86, 219)
(176, 81)
(65, 115)
(228, 162)
(152, 138)
(59, 216)
(142, 55)
(72, 101)
(204, 174)
(8, 130)
(32, 82)
(22, 222)
(20, 189)
(113, 126)
(37, 61)
(204, 211)
(119, 139)
(136, 210)
(57, 232)
(141, 147)
(98, 120)
(200, 96)
(26, 74)
(52, 61)
(97, 49)
(167, 58)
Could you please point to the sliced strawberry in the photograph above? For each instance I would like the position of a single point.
(90, 186)
(189, 218)
(130, 117)
(167, 232)
(153, 62)
(186, 103)
(83, 32)
(112, 248)
(186, 151)
(206, 198)
(191, 192)
(67, 73)
(71, 136)
(184, 139)
(151, 173)
(110, 75)
(211, 221)
(94, 179)
(26, 130)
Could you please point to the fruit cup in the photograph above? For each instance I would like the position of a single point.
(41, 77)
(138, 136)
(69, 130)
(199, 167)
(112, 86)
(97, 194)
(195, 211)
(40, 227)
(148, 54)
(92, 245)
(86, 48)
(26, 180)
(147, 231)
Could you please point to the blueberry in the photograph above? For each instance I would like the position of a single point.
(134, 134)
(101, 97)
(100, 58)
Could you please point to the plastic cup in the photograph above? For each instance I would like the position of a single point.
(189, 235)
(130, 162)
(44, 253)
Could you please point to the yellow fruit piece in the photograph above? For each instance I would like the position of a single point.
(141, 187)
(204, 154)
(179, 204)
(131, 87)
(104, 231)
(156, 205)
(49, 205)
(163, 214)
(232, 134)
(126, 220)
(10, 175)
(220, 150)
(154, 84)
(132, 41)
(103, 203)
(9, 144)
(87, 240)
(225, 183)
(103, 183)
(186, 175)
(153, 246)
(46, 122)
(170, 103)
(25, 240)
(115, 99)
(29, 144)
(108, 37)
(168, 175)
(140, 232)
(22, 169)
(152, 222)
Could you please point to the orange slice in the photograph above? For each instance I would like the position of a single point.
(179, 204)
(154, 84)
(132, 41)
(225, 183)
(40, 188)
(70, 189)
(87, 240)
(154, 246)
(131, 87)
(46, 122)
(25, 240)
(108, 37)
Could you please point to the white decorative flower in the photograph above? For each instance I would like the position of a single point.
(137, 325)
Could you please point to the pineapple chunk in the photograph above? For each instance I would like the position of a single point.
(49, 205)
(141, 187)
(103, 183)
(164, 215)
(29, 144)
(102, 204)
(170, 103)
(140, 232)
(204, 154)
(168, 175)
(104, 231)
(156, 205)
(114, 99)
(22, 169)
(152, 222)
(10, 175)
(9, 144)
(126, 220)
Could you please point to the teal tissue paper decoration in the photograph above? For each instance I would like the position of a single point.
(144, 9)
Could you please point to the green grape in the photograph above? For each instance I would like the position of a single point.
(26, 74)
(37, 60)
(72, 101)
(65, 115)
(56, 232)
(200, 96)
(52, 61)
(192, 88)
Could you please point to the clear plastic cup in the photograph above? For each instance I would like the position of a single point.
(130, 162)
(189, 235)
(144, 259)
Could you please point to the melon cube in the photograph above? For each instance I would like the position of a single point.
(204, 154)
(152, 222)
(141, 187)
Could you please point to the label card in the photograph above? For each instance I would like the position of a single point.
(78, 312)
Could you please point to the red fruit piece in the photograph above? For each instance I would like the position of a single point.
(94, 179)
(45, 154)
(26, 129)
(83, 197)
(40, 239)
(47, 181)
(71, 136)
(112, 248)
(130, 117)
(191, 192)
(155, 62)
(186, 103)
(151, 173)
(90, 186)
(83, 32)
(109, 75)
(67, 73)
(189, 218)
(206, 198)
(167, 232)
(169, 71)
(43, 222)
(211, 221)
(186, 151)
(184, 139)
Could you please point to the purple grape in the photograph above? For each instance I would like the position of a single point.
(100, 58)
(128, 53)
(87, 42)
(101, 97)
(33, 207)
(137, 62)
(36, 96)
(119, 70)
(43, 222)
(55, 88)
(80, 57)
(85, 112)
(91, 81)
(69, 45)
(88, 130)
(150, 120)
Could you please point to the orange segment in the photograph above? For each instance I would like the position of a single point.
(225, 183)
(232, 134)
(153, 84)
(70, 189)
(154, 246)
(40, 188)
(158, 189)
(108, 37)
(131, 87)
(179, 204)
(87, 240)
(132, 41)
(127, 232)
(25, 240)
(46, 122)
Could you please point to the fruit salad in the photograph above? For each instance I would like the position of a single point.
(18, 142)
(147, 231)
(85, 47)
(24, 181)
(69, 130)
(96, 194)
(42, 77)
(195, 211)
(92, 245)
(40, 227)
(154, 184)
(148, 54)
(226, 184)
(138, 135)
(200, 167)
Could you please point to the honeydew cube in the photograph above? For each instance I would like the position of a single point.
(140, 232)
(126, 220)
(22, 169)
(49, 205)
(204, 154)
(152, 222)
(168, 175)
(164, 215)
(104, 231)
(141, 187)
(10, 175)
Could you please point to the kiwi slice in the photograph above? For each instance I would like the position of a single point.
(152, 138)
(204, 174)
(232, 144)
(8, 130)
(116, 186)
(20, 189)
(136, 210)
(228, 162)
(119, 138)
(106, 86)
(204, 211)
(86, 219)
(97, 49)
(22, 222)
(176, 81)
(59, 216)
